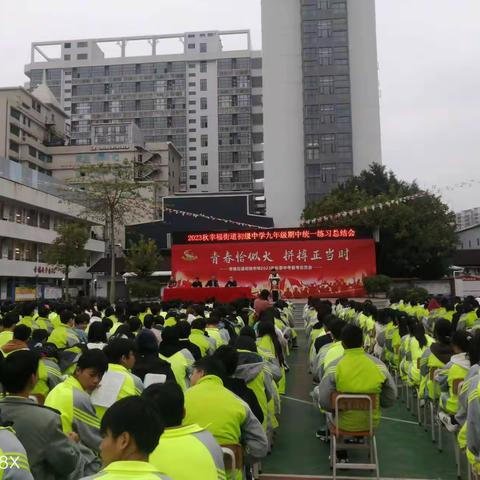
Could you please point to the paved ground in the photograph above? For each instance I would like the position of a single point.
(405, 450)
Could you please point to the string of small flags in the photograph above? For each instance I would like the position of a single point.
(366, 209)
(211, 217)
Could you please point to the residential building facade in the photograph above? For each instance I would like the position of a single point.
(467, 218)
(206, 100)
(321, 99)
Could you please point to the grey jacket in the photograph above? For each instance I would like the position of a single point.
(50, 452)
(15, 462)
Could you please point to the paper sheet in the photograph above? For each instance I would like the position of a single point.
(107, 392)
(151, 378)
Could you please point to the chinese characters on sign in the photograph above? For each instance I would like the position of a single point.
(262, 235)
(293, 256)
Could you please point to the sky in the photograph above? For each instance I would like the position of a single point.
(428, 55)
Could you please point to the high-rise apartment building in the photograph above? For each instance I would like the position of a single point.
(467, 218)
(321, 101)
(206, 100)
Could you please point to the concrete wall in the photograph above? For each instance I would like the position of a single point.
(364, 84)
(469, 239)
(283, 111)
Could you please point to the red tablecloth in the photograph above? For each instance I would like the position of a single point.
(221, 294)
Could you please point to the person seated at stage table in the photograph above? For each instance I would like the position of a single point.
(197, 283)
(172, 283)
(231, 282)
(213, 282)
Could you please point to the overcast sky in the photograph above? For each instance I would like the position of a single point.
(428, 51)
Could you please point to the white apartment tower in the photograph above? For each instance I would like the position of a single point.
(321, 99)
(205, 99)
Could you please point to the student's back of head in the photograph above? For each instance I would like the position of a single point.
(18, 371)
(460, 341)
(352, 336)
(67, 317)
(137, 422)
(22, 333)
(168, 400)
(184, 329)
(118, 348)
(229, 358)
(442, 331)
(43, 311)
(10, 319)
(207, 366)
(244, 342)
(97, 333)
(336, 328)
(199, 324)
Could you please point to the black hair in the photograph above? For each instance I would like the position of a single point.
(97, 333)
(442, 331)
(184, 329)
(352, 336)
(17, 369)
(244, 342)
(229, 357)
(107, 323)
(39, 335)
(461, 340)
(109, 311)
(82, 318)
(43, 311)
(135, 416)
(210, 366)
(93, 358)
(27, 309)
(117, 348)
(66, 316)
(168, 400)
(134, 323)
(248, 331)
(419, 334)
(474, 349)
(22, 332)
(336, 328)
(264, 294)
(10, 319)
(199, 324)
(148, 321)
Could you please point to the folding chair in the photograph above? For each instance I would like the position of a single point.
(233, 459)
(341, 402)
(432, 405)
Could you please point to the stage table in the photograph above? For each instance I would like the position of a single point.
(221, 294)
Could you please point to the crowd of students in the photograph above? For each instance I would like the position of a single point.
(93, 390)
(432, 347)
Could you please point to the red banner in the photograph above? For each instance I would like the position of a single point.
(327, 268)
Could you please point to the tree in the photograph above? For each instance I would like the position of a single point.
(143, 257)
(416, 238)
(113, 194)
(377, 284)
(68, 250)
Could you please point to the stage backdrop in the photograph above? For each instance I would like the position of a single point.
(328, 268)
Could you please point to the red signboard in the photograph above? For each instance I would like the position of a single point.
(328, 268)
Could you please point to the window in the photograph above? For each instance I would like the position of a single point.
(14, 130)
(67, 57)
(32, 152)
(67, 45)
(15, 113)
(204, 122)
(82, 44)
(325, 56)
(203, 47)
(191, 74)
(14, 146)
(193, 140)
(324, 28)
(82, 56)
(115, 106)
(203, 67)
(243, 100)
(191, 45)
(192, 177)
(191, 65)
(243, 81)
(204, 140)
(204, 160)
(191, 84)
(192, 120)
(204, 178)
(203, 84)
(203, 103)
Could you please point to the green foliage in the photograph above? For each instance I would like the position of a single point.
(143, 288)
(377, 284)
(143, 257)
(68, 249)
(411, 295)
(416, 238)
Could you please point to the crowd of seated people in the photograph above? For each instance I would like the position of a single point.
(145, 390)
(430, 346)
